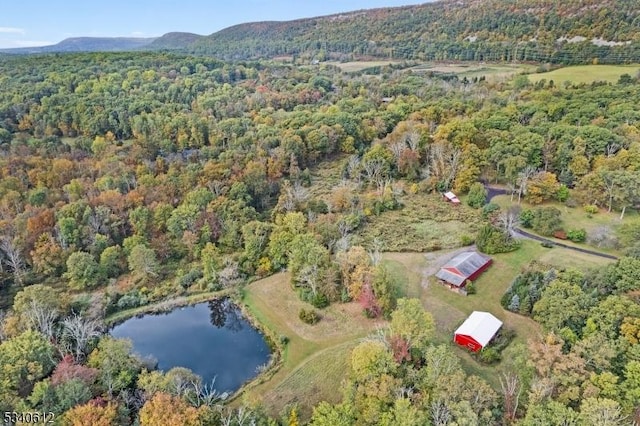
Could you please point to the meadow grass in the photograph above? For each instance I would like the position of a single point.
(586, 73)
(315, 359)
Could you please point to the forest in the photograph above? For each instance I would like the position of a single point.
(129, 178)
(495, 30)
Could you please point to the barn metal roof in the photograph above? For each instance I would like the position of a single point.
(481, 326)
(461, 267)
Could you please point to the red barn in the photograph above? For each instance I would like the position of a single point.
(477, 330)
(465, 266)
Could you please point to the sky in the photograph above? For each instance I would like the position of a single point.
(43, 22)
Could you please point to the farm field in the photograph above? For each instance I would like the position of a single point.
(586, 73)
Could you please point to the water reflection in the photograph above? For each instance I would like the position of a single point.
(225, 314)
(212, 339)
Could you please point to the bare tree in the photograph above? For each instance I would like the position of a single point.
(523, 180)
(509, 220)
(445, 162)
(397, 149)
(373, 169)
(77, 333)
(353, 168)
(41, 318)
(511, 390)
(413, 139)
(13, 257)
(309, 275)
(375, 253)
(440, 413)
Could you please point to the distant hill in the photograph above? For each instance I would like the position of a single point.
(174, 40)
(88, 44)
(571, 31)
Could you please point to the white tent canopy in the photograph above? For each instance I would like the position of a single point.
(481, 326)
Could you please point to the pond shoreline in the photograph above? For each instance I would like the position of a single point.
(168, 305)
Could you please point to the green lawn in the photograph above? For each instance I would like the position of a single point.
(449, 309)
(577, 218)
(475, 69)
(316, 358)
(356, 66)
(586, 73)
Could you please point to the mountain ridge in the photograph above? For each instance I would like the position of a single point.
(575, 31)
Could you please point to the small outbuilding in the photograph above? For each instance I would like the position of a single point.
(465, 266)
(451, 197)
(477, 330)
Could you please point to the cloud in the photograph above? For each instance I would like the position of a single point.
(137, 34)
(11, 30)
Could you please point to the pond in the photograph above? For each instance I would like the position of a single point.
(212, 339)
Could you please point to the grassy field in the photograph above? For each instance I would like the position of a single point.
(450, 309)
(475, 69)
(424, 223)
(586, 73)
(577, 218)
(356, 66)
(316, 357)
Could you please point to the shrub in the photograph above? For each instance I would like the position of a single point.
(571, 202)
(187, 280)
(489, 355)
(591, 209)
(526, 218)
(284, 340)
(547, 244)
(492, 240)
(562, 194)
(546, 220)
(470, 288)
(603, 237)
(577, 235)
(477, 196)
(489, 208)
(308, 316)
(466, 240)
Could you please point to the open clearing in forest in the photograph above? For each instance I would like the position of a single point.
(586, 73)
(356, 66)
(450, 309)
(316, 359)
(577, 218)
(474, 69)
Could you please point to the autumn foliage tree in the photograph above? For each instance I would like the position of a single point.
(163, 408)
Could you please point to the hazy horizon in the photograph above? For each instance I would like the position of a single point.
(55, 20)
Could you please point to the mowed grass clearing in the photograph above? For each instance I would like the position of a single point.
(315, 360)
(449, 309)
(475, 69)
(356, 66)
(586, 73)
(577, 218)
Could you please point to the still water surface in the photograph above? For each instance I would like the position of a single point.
(212, 339)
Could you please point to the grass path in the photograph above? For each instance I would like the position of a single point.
(315, 359)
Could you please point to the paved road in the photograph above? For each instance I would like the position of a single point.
(493, 191)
